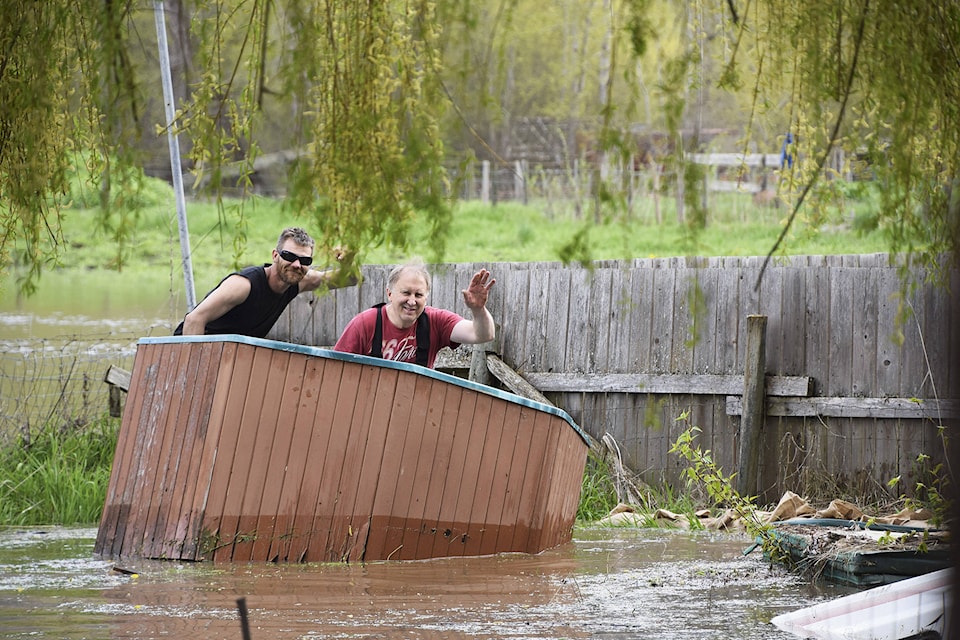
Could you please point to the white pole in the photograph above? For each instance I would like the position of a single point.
(174, 152)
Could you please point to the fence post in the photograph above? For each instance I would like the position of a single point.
(478, 360)
(754, 405)
(485, 181)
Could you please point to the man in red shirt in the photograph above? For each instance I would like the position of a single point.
(411, 331)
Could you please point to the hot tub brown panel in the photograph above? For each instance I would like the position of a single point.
(234, 452)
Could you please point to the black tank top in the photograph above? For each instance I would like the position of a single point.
(256, 315)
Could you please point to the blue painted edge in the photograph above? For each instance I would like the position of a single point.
(376, 362)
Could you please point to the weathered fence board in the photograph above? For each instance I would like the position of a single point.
(589, 338)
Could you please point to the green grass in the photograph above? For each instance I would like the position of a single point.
(507, 232)
(59, 477)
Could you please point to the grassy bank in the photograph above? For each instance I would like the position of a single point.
(59, 476)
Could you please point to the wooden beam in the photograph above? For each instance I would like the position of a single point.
(753, 415)
(706, 384)
(117, 377)
(906, 408)
(513, 380)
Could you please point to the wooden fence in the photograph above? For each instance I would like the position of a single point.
(856, 369)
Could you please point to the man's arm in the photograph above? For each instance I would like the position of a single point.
(481, 328)
(229, 294)
(331, 278)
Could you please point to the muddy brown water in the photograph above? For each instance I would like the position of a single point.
(606, 583)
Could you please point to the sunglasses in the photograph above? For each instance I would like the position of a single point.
(290, 256)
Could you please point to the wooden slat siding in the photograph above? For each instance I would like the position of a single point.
(148, 456)
(303, 467)
(618, 356)
(447, 542)
(348, 305)
(306, 538)
(269, 433)
(634, 445)
(560, 302)
(392, 468)
(393, 513)
(355, 432)
(863, 371)
(770, 304)
(497, 482)
(569, 474)
(530, 454)
(519, 440)
(929, 382)
(662, 308)
(548, 439)
(545, 484)
(124, 543)
(489, 461)
(411, 508)
(537, 322)
(531, 508)
(841, 330)
(345, 396)
(441, 469)
(118, 498)
(463, 529)
(556, 529)
(680, 353)
(792, 323)
(179, 503)
(952, 373)
(269, 510)
(514, 283)
(445, 424)
(199, 526)
(220, 455)
(704, 318)
(242, 432)
(580, 337)
(372, 465)
(249, 478)
(302, 413)
(111, 515)
(723, 441)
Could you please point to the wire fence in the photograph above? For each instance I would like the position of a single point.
(57, 383)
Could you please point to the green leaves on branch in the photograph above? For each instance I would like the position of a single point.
(702, 471)
(375, 155)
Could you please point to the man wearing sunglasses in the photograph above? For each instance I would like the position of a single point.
(249, 302)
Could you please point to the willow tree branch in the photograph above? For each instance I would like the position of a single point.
(821, 163)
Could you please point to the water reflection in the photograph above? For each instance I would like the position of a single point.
(610, 583)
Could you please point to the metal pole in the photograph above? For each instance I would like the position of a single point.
(174, 153)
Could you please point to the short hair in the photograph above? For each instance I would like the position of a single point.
(296, 234)
(416, 266)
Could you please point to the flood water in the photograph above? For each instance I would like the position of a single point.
(607, 583)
